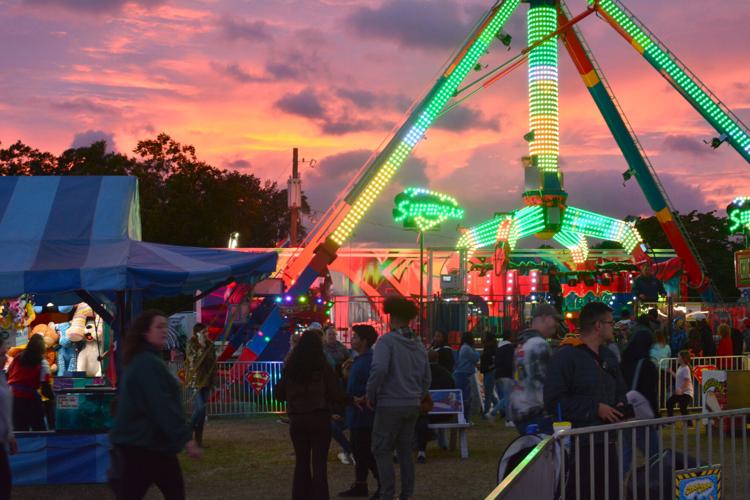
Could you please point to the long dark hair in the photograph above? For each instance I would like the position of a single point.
(34, 352)
(135, 340)
(306, 360)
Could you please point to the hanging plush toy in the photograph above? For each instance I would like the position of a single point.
(51, 340)
(67, 354)
(86, 327)
(89, 358)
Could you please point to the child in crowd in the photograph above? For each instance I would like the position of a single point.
(683, 393)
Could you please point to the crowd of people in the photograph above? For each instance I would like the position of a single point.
(378, 391)
(605, 372)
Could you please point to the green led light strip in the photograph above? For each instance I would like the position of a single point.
(599, 226)
(543, 88)
(486, 234)
(689, 88)
(527, 221)
(574, 242)
(445, 90)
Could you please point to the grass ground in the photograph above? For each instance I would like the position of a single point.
(252, 458)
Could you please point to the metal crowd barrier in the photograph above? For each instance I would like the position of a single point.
(242, 389)
(668, 366)
(704, 454)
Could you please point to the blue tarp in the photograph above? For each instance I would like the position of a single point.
(62, 234)
(45, 458)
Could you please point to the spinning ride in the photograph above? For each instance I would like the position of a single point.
(546, 213)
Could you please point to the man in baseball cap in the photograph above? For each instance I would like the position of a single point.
(530, 362)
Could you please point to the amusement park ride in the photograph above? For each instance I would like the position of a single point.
(546, 213)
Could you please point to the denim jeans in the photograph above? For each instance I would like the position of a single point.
(463, 382)
(337, 433)
(488, 381)
(199, 410)
(394, 429)
(504, 386)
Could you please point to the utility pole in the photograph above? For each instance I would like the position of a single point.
(294, 198)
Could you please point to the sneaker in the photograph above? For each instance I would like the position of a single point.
(345, 458)
(508, 423)
(357, 490)
(489, 415)
(421, 458)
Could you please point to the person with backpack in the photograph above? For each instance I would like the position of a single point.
(530, 360)
(642, 378)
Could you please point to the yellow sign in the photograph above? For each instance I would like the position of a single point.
(698, 484)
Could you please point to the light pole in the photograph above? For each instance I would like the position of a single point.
(422, 210)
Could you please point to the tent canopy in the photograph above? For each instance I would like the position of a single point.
(62, 234)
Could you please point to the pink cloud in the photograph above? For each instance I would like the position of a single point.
(213, 74)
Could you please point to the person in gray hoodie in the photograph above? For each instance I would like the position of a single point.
(399, 380)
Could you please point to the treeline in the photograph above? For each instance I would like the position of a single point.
(184, 201)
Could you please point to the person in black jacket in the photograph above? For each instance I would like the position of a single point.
(310, 387)
(487, 369)
(504, 378)
(441, 379)
(584, 386)
(445, 353)
(707, 337)
(639, 348)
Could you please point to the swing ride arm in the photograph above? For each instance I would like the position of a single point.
(715, 112)
(638, 162)
(340, 222)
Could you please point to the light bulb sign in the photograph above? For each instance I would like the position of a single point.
(739, 215)
(423, 209)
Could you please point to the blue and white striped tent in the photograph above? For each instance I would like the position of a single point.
(62, 234)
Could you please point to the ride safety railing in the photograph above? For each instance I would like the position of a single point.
(641, 459)
(668, 369)
(252, 393)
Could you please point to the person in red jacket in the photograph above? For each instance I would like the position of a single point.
(28, 373)
(725, 346)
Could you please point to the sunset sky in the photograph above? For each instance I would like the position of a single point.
(245, 81)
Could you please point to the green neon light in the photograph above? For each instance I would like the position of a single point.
(425, 209)
(666, 63)
(600, 226)
(543, 88)
(483, 234)
(739, 215)
(443, 92)
(576, 243)
(527, 221)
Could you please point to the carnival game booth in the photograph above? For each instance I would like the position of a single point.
(77, 241)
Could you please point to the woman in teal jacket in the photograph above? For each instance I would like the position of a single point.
(150, 427)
